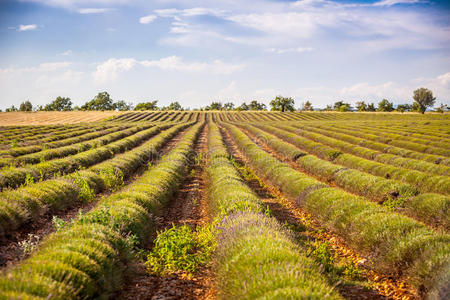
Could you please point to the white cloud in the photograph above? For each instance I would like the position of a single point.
(189, 12)
(67, 53)
(27, 27)
(289, 50)
(395, 2)
(177, 64)
(86, 11)
(109, 70)
(147, 19)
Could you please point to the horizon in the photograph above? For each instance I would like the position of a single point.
(197, 52)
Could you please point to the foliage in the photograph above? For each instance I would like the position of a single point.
(11, 109)
(174, 106)
(404, 107)
(341, 106)
(255, 105)
(385, 105)
(147, 105)
(243, 107)
(282, 104)
(424, 98)
(123, 106)
(26, 106)
(307, 106)
(361, 106)
(101, 102)
(181, 249)
(30, 244)
(59, 104)
(228, 106)
(214, 106)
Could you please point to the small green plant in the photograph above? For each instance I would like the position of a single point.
(29, 179)
(30, 244)
(58, 223)
(112, 177)
(14, 143)
(86, 193)
(181, 249)
(322, 253)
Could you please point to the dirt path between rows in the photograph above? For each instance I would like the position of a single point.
(379, 286)
(190, 207)
(34, 232)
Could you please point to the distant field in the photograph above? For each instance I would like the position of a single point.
(315, 205)
(51, 117)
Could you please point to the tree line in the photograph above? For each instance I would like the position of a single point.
(423, 99)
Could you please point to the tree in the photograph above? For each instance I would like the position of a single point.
(122, 106)
(101, 102)
(341, 106)
(243, 107)
(12, 108)
(255, 105)
(371, 107)
(147, 105)
(59, 104)
(385, 105)
(26, 106)
(174, 106)
(329, 107)
(361, 106)
(442, 108)
(282, 104)
(228, 106)
(307, 106)
(403, 107)
(424, 98)
(214, 106)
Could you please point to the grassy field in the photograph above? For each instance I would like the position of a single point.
(227, 205)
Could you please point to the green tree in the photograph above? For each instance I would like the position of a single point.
(228, 106)
(282, 104)
(361, 106)
(403, 107)
(243, 107)
(345, 107)
(424, 98)
(26, 106)
(122, 106)
(341, 106)
(442, 108)
(174, 106)
(12, 108)
(214, 106)
(385, 105)
(255, 105)
(59, 104)
(371, 107)
(307, 106)
(101, 102)
(147, 105)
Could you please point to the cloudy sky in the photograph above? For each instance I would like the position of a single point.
(198, 51)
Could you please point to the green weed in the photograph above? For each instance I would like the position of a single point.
(181, 249)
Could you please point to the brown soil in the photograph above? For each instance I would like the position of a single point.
(379, 286)
(53, 117)
(190, 207)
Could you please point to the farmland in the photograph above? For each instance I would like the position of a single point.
(227, 205)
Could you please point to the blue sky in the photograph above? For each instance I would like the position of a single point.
(200, 51)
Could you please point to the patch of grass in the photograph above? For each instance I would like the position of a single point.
(181, 249)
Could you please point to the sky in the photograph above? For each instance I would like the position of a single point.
(199, 51)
